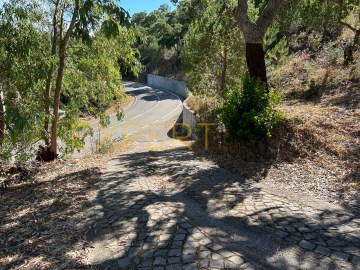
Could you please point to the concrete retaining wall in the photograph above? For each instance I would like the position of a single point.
(177, 87)
(190, 119)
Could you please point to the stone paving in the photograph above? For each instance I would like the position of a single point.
(172, 210)
(141, 232)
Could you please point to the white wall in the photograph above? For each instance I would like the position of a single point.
(177, 87)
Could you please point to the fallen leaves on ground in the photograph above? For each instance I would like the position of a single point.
(42, 222)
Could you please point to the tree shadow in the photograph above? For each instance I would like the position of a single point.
(160, 94)
(229, 210)
(150, 208)
(42, 222)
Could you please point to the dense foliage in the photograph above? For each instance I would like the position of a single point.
(48, 63)
(213, 54)
(161, 35)
(158, 31)
(249, 113)
(23, 69)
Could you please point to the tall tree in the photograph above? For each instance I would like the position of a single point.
(53, 41)
(254, 32)
(211, 57)
(85, 16)
(64, 37)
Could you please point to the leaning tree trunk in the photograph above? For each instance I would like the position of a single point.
(351, 48)
(255, 59)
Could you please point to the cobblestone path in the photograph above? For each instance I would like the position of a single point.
(172, 210)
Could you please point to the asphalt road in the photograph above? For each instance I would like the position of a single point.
(149, 118)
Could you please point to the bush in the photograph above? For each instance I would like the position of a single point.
(249, 113)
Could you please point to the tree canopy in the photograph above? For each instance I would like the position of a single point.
(49, 62)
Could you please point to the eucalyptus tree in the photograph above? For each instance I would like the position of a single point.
(92, 81)
(23, 70)
(74, 19)
(59, 53)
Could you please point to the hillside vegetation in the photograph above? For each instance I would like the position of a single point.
(319, 152)
(311, 51)
(317, 147)
(321, 99)
(281, 79)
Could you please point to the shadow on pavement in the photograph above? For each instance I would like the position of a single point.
(150, 207)
(243, 219)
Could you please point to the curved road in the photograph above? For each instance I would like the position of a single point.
(152, 114)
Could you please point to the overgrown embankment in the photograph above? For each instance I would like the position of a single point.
(316, 150)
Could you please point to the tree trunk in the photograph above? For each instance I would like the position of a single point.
(254, 33)
(59, 79)
(351, 48)
(348, 54)
(224, 71)
(2, 121)
(47, 108)
(49, 79)
(255, 59)
(52, 151)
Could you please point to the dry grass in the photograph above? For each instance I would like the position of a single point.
(329, 145)
(322, 101)
(205, 106)
(336, 128)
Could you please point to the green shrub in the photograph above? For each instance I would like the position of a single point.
(249, 113)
